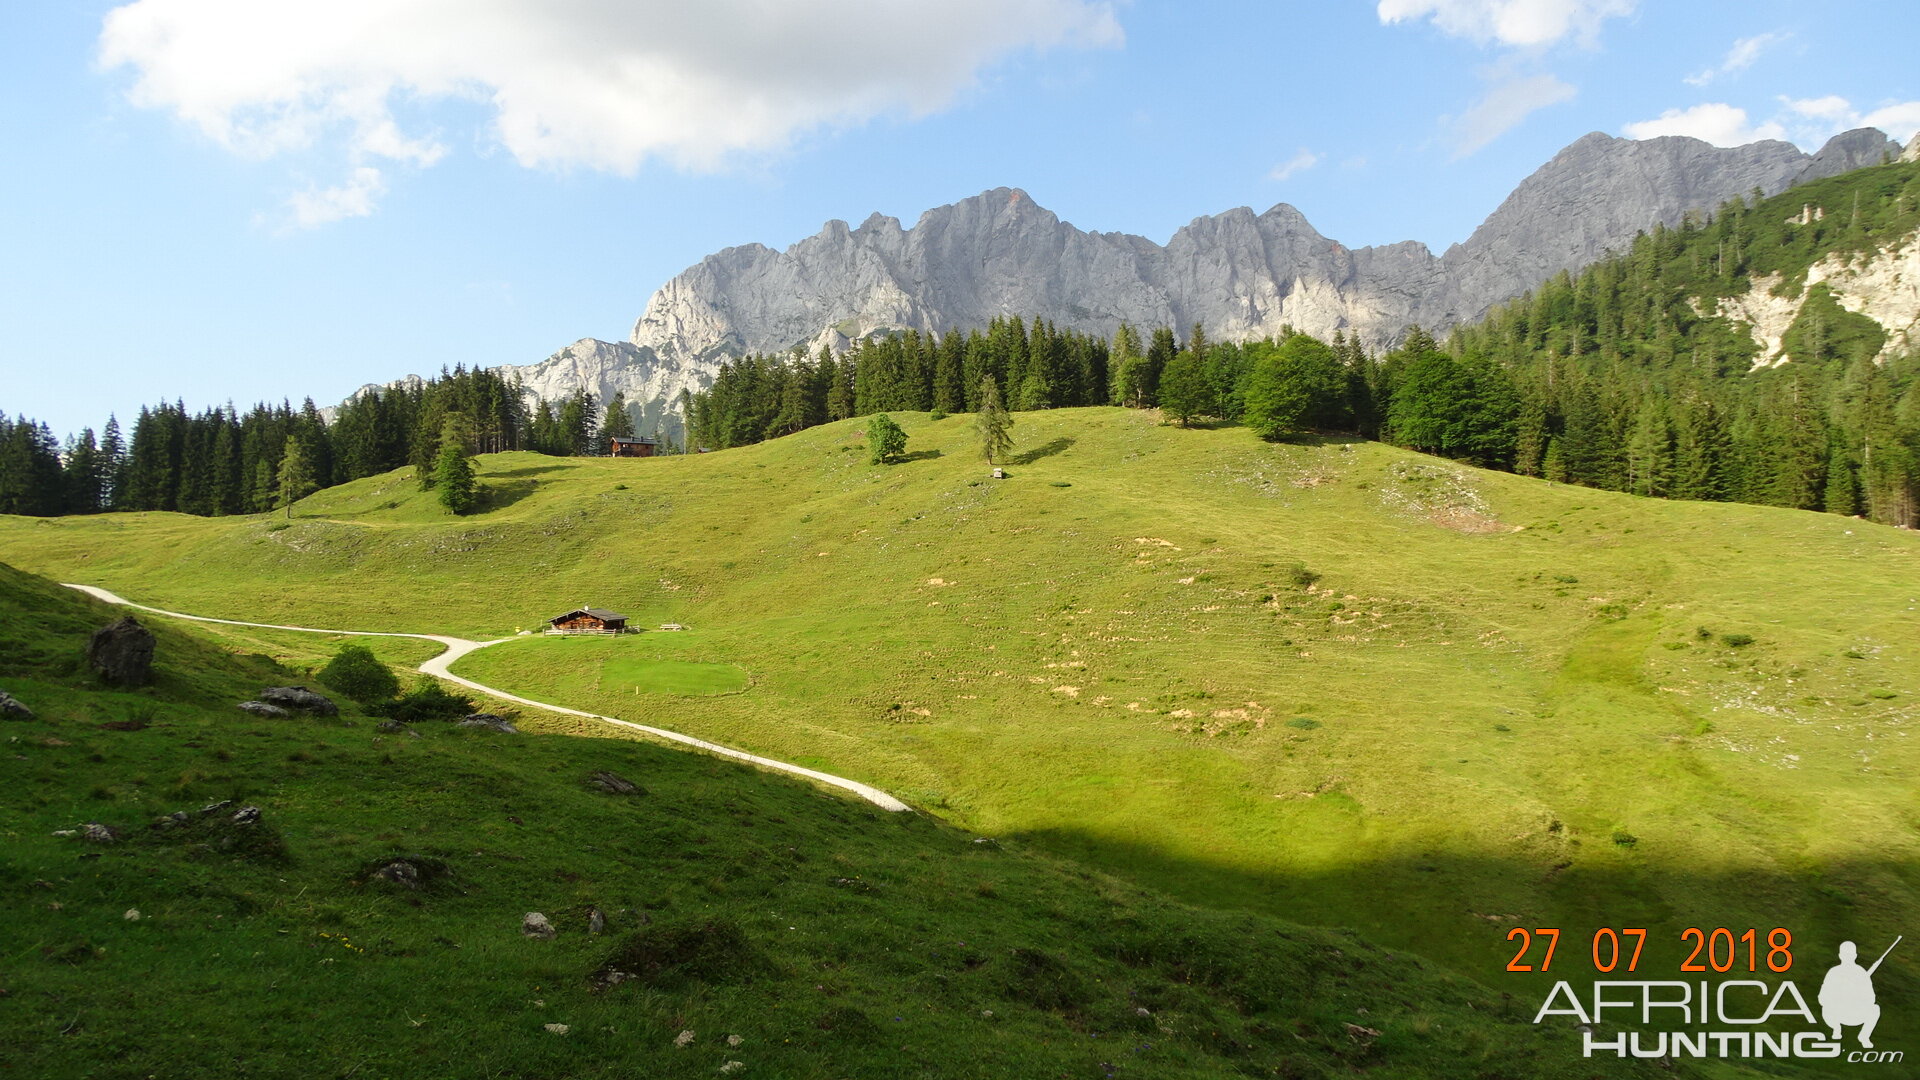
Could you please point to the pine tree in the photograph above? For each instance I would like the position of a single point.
(453, 478)
(296, 480)
(993, 423)
(618, 422)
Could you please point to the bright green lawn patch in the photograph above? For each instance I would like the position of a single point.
(570, 666)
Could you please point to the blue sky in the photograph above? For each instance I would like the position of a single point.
(235, 199)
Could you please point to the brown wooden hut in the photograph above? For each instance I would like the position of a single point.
(617, 447)
(588, 620)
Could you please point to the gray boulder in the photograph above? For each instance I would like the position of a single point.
(261, 708)
(614, 784)
(490, 722)
(98, 833)
(121, 652)
(12, 709)
(537, 926)
(300, 699)
(395, 727)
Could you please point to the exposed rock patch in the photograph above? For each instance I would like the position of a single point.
(614, 784)
(300, 699)
(121, 652)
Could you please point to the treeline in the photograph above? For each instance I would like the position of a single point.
(1628, 379)
(222, 461)
(1035, 366)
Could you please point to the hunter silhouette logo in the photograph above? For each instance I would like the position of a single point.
(1739, 1017)
(1846, 997)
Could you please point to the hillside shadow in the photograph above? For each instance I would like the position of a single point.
(529, 470)
(1457, 908)
(1045, 450)
(921, 455)
(498, 496)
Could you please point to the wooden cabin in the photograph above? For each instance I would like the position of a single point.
(617, 447)
(588, 620)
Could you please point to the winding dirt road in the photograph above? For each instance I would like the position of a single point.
(459, 647)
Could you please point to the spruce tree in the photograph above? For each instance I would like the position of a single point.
(618, 422)
(993, 423)
(453, 479)
(296, 480)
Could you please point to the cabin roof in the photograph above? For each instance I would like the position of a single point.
(619, 439)
(598, 613)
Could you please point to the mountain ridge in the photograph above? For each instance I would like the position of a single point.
(1240, 274)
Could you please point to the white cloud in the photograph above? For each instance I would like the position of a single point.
(1714, 122)
(1815, 120)
(1502, 107)
(1831, 107)
(1521, 23)
(1740, 57)
(600, 84)
(355, 198)
(1298, 163)
(1900, 120)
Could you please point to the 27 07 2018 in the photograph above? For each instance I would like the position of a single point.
(1719, 949)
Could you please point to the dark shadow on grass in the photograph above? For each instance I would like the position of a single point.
(495, 495)
(1045, 450)
(919, 455)
(529, 470)
(1457, 908)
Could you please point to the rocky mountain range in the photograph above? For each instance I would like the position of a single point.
(1240, 274)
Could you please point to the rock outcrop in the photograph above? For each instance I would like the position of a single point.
(121, 652)
(12, 708)
(300, 699)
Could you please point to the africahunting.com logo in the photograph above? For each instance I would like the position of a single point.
(1709, 1016)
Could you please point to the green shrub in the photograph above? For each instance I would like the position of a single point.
(427, 701)
(1300, 577)
(1736, 641)
(355, 672)
(937, 414)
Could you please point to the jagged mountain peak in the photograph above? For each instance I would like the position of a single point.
(1238, 273)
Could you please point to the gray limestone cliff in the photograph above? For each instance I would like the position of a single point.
(1240, 274)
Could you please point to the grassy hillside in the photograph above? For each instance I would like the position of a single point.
(832, 939)
(1341, 683)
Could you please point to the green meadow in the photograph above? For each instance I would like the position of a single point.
(753, 919)
(1331, 682)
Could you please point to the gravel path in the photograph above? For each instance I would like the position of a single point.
(459, 647)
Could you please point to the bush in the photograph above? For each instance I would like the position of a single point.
(1301, 577)
(427, 701)
(355, 672)
(1736, 641)
(937, 414)
(885, 440)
